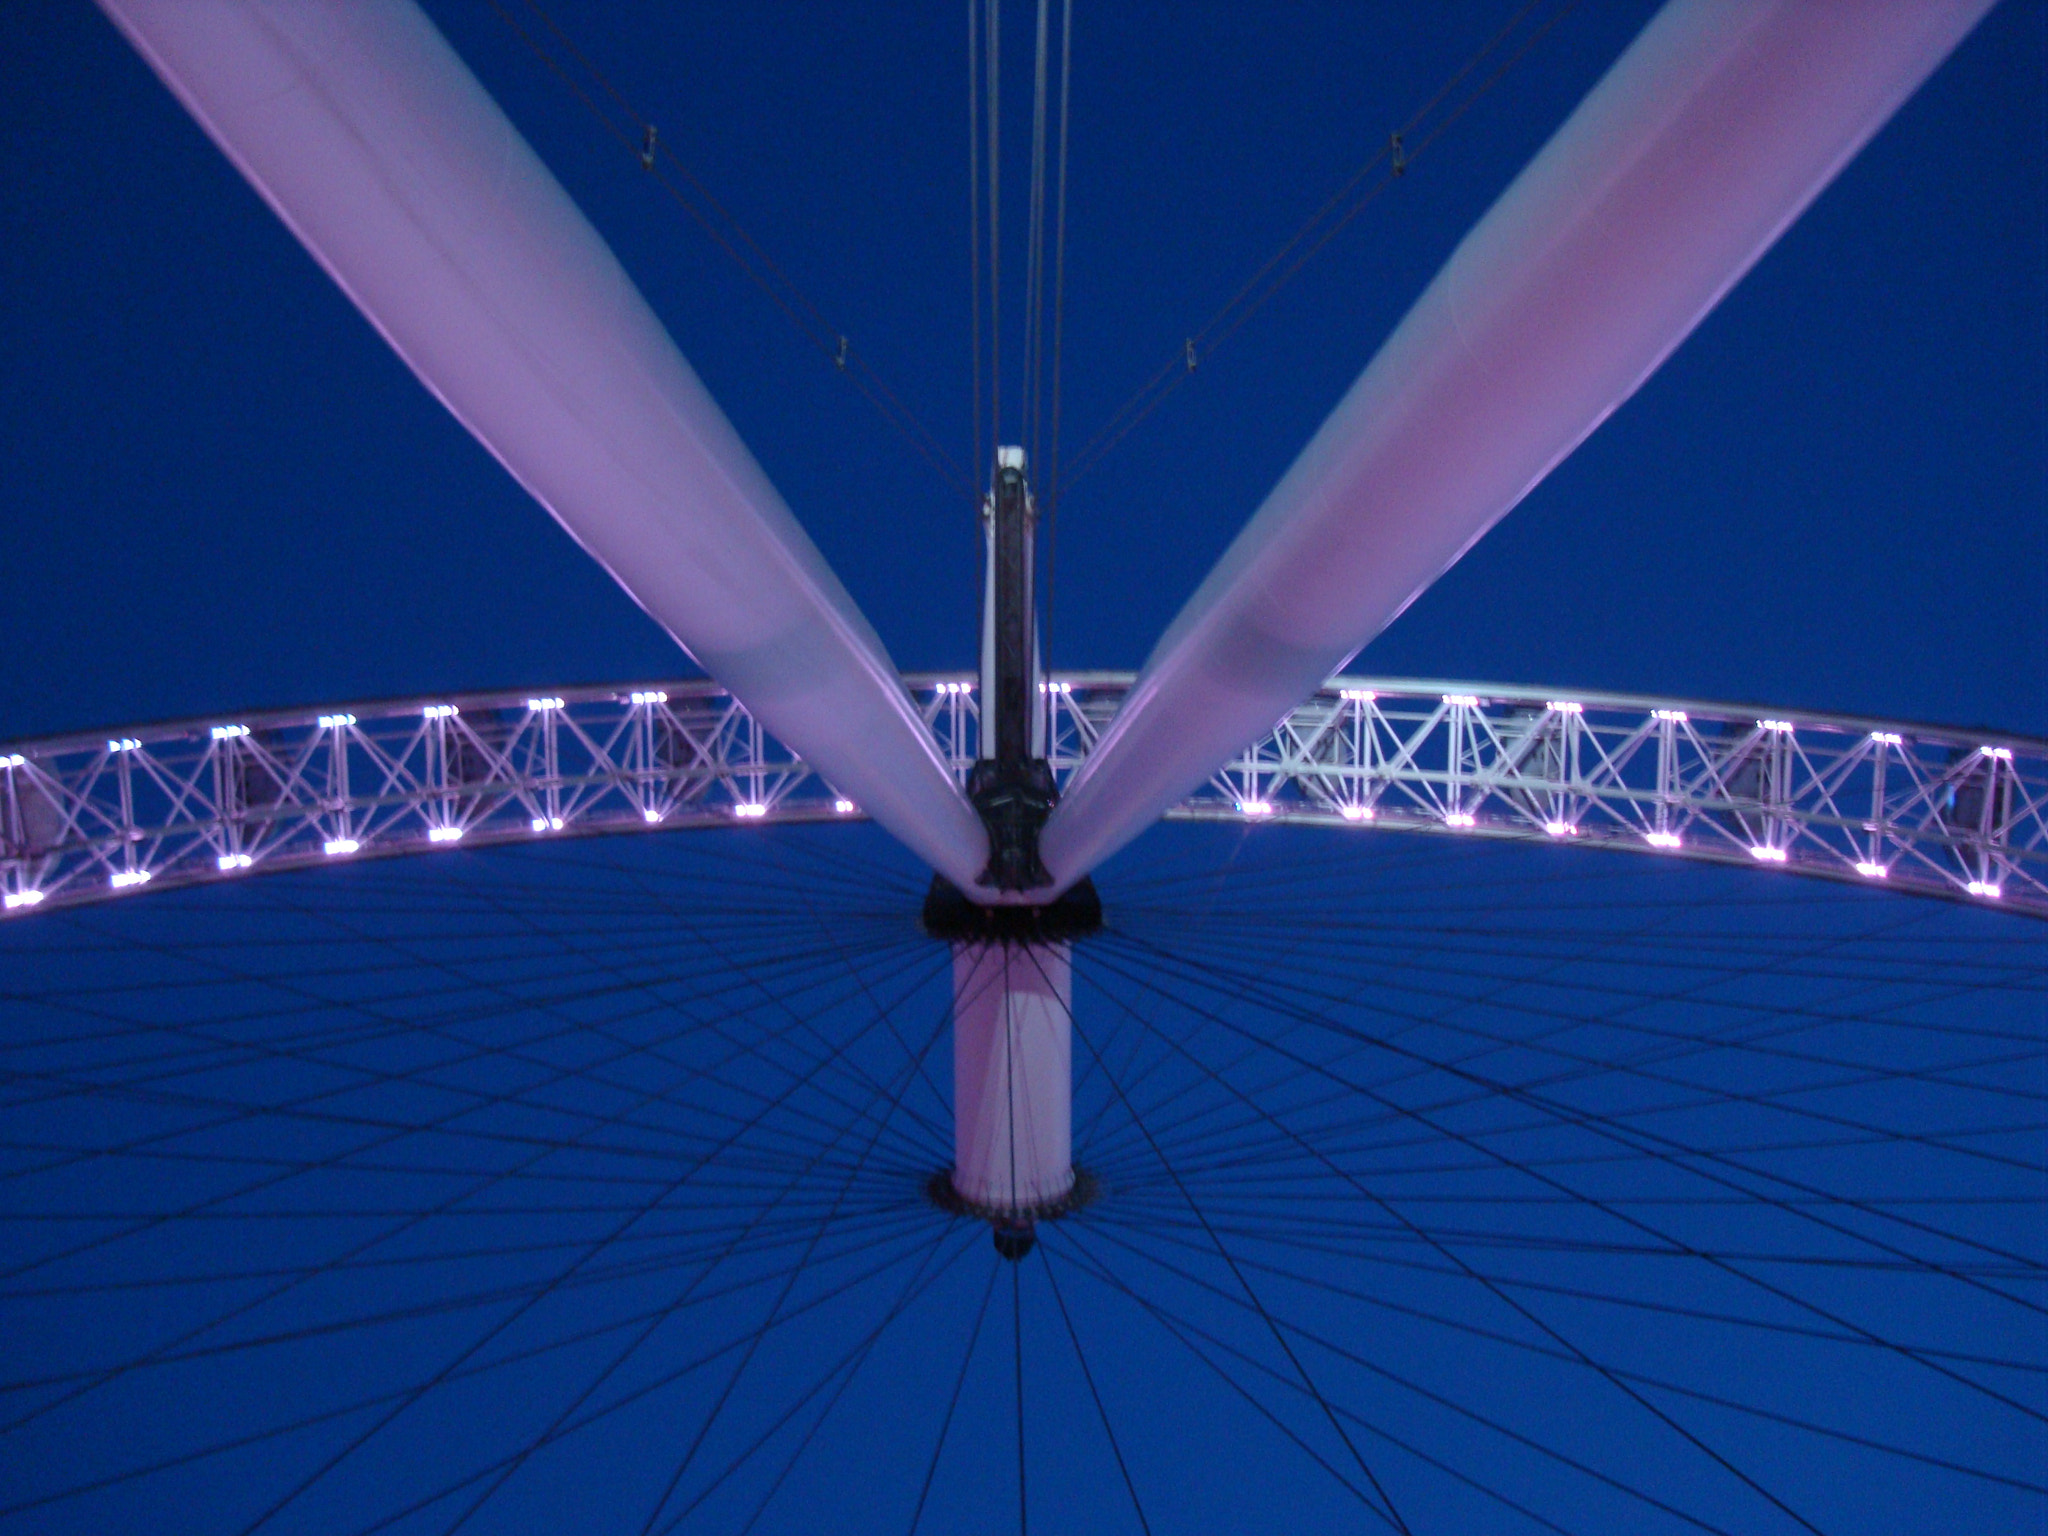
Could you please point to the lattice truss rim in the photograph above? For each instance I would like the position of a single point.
(1929, 809)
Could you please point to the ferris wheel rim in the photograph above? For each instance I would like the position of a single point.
(271, 790)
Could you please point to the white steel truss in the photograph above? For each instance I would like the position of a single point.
(1921, 808)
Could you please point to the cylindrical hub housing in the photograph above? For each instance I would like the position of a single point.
(1013, 1081)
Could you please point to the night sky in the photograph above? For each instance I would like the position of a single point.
(226, 494)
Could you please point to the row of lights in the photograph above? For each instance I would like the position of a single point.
(341, 846)
(956, 687)
(655, 697)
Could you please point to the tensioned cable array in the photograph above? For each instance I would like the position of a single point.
(1433, 1189)
(1042, 309)
(642, 139)
(1388, 164)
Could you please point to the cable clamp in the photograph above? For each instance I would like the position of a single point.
(647, 149)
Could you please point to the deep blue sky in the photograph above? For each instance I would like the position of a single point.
(225, 493)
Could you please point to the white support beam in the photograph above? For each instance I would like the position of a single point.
(1721, 122)
(365, 133)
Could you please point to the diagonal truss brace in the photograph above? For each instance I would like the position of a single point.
(1926, 809)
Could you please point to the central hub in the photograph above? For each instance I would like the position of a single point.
(1013, 972)
(1011, 784)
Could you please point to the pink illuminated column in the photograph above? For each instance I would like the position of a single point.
(1013, 1083)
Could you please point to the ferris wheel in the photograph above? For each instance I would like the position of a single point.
(636, 1167)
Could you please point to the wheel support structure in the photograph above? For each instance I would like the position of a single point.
(1013, 992)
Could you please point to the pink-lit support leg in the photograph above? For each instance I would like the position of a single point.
(1013, 1083)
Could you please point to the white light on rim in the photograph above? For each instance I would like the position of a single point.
(2003, 754)
(12, 760)
(336, 722)
(749, 810)
(547, 823)
(440, 711)
(538, 705)
(22, 899)
(229, 732)
(1775, 725)
(649, 698)
(1663, 839)
(1358, 695)
(1985, 888)
(1355, 812)
(129, 877)
(234, 861)
(1676, 716)
(1767, 854)
(1469, 701)
(1560, 829)
(1870, 871)
(444, 834)
(1461, 819)
(844, 807)
(334, 847)
(1255, 807)
(1889, 738)
(124, 744)
(650, 815)
(1564, 706)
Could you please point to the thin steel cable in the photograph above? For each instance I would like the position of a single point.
(1386, 1507)
(739, 1370)
(1094, 1392)
(992, 34)
(1017, 1336)
(1034, 266)
(1579, 1355)
(978, 465)
(1176, 1323)
(1252, 296)
(356, 1444)
(1543, 1103)
(1485, 1150)
(1106, 1232)
(844, 1370)
(953, 1402)
(730, 236)
(1051, 478)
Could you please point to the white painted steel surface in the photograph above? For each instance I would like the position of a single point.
(1911, 807)
(1013, 1074)
(1707, 138)
(367, 135)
